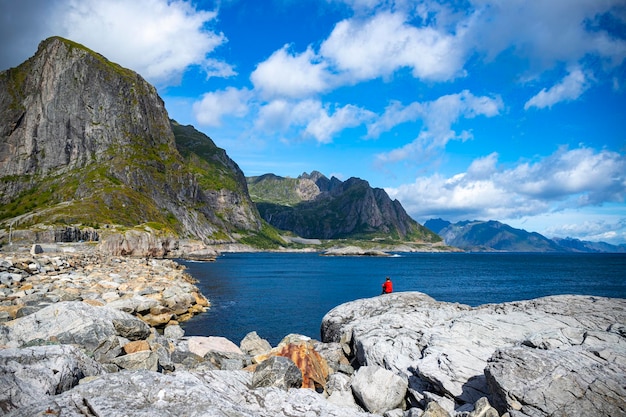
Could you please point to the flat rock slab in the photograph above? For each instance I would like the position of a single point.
(29, 375)
(444, 348)
(182, 393)
(73, 322)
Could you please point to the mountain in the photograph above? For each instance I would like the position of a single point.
(86, 142)
(495, 236)
(491, 236)
(576, 245)
(313, 206)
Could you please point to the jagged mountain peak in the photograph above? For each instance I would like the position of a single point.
(333, 209)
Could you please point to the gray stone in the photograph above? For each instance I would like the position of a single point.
(277, 371)
(139, 360)
(482, 408)
(173, 331)
(75, 323)
(36, 249)
(29, 375)
(378, 389)
(579, 380)
(443, 348)
(433, 409)
(182, 393)
(253, 345)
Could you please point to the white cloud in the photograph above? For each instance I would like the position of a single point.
(545, 32)
(570, 88)
(438, 117)
(159, 39)
(215, 105)
(291, 75)
(327, 124)
(567, 179)
(311, 118)
(378, 46)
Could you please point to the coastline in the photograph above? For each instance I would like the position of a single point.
(158, 291)
(399, 355)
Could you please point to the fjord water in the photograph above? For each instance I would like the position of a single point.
(276, 294)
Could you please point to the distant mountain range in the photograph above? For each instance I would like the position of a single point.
(495, 236)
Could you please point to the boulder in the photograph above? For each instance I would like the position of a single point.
(74, 323)
(183, 393)
(279, 372)
(253, 345)
(378, 389)
(144, 359)
(444, 348)
(173, 331)
(302, 352)
(201, 345)
(29, 375)
(579, 380)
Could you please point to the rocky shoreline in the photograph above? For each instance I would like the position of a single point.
(158, 291)
(82, 334)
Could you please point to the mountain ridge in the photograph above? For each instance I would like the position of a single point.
(492, 235)
(316, 207)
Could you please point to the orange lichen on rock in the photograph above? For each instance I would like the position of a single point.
(313, 366)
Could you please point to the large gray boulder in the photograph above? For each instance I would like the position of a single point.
(378, 389)
(182, 393)
(73, 322)
(585, 380)
(444, 348)
(29, 375)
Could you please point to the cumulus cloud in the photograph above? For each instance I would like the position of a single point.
(315, 120)
(214, 106)
(326, 124)
(566, 179)
(291, 75)
(160, 39)
(524, 26)
(570, 88)
(157, 38)
(438, 116)
(378, 46)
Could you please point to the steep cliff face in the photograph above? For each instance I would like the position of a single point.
(85, 141)
(332, 209)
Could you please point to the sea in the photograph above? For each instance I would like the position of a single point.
(276, 294)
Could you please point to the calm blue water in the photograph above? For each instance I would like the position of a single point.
(280, 293)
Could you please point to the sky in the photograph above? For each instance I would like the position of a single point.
(508, 110)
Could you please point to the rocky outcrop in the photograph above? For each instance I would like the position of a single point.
(84, 141)
(185, 393)
(29, 374)
(561, 355)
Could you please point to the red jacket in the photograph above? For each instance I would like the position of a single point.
(387, 287)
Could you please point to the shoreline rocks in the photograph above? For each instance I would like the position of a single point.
(560, 355)
(158, 291)
(80, 337)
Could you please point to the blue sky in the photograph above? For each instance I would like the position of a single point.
(511, 110)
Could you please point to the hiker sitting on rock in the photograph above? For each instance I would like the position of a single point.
(387, 286)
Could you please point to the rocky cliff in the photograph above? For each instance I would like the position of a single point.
(84, 141)
(314, 206)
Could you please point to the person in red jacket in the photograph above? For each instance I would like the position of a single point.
(387, 286)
